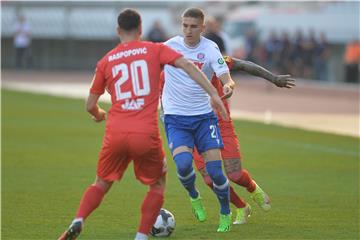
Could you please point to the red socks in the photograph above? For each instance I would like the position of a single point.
(150, 209)
(243, 178)
(235, 199)
(90, 201)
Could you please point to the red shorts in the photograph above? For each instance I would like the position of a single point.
(118, 149)
(231, 148)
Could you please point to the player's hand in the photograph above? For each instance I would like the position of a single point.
(284, 81)
(219, 107)
(228, 90)
(100, 116)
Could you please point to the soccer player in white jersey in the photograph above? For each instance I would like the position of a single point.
(189, 119)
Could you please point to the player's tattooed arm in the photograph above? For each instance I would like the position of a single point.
(97, 114)
(279, 80)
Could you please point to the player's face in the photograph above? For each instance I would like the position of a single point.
(192, 29)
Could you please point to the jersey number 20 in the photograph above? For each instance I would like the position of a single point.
(135, 78)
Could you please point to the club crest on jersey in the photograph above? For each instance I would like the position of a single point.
(133, 104)
(221, 61)
(198, 64)
(200, 56)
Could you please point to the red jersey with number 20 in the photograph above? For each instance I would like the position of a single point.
(130, 73)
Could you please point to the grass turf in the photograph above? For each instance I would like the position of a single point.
(49, 154)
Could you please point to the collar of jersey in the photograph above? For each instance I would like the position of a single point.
(197, 45)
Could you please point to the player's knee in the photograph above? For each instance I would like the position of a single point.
(215, 172)
(183, 163)
(156, 188)
(217, 177)
(104, 185)
(160, 183)
(212, 154)
(235, 176)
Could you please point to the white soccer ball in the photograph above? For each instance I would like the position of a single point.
(164, 224)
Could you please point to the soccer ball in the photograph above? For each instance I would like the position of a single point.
(164, 224)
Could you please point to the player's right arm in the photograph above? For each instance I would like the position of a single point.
(279, 80)
(202, 80)
(96, 90)
(93, 108)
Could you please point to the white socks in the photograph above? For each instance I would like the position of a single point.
(141, 236)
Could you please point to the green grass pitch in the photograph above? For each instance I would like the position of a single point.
(49, 155)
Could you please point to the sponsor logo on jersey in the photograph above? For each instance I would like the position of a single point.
(128, 53)
(133, 104)
(200, 56)
(221, 61)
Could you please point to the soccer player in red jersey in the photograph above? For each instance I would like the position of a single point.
(130, 73)
(231, 152)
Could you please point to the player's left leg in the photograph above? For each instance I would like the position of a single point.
(220, 187)
(150, 169)
(243, 209)
(209, 142)
(150, 208)
(237, 174)
(200, 166)
(91, 199)
(240, 176)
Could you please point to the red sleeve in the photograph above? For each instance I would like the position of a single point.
(99, 82)
(229, 61)
(168, 55)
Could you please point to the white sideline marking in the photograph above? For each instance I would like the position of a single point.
(330, 123)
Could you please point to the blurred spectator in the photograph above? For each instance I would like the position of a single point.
(225, 37)
(22, 41)
(304, 57)
(352, 61)
(297, 67)
(250, 44)
(285, 53)
(212, 29)
(308, 53)
(272, 47)
(157, 33)
(322, 54)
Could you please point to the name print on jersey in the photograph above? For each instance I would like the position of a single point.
(128, 53)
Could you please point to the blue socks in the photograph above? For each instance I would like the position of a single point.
(221, 185)
(186, 173)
